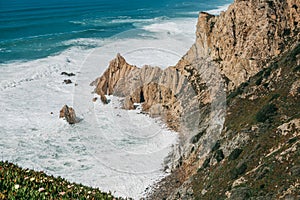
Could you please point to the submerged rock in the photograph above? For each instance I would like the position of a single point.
(95, 99)
(68, 74)
(69, 114)
(67, 81)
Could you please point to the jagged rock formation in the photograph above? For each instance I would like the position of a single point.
(69, 114)
(255, 46)
(251, 51)
(107, 83)
(162, 92)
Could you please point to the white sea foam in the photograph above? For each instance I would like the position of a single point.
(110, 148)
(180, 26)
(130, 20)
(218, 10)
(84, 42)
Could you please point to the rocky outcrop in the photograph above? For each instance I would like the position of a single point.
(162, 92)
(246, 37)
(295, 89)
(254, 154)
(67, 74)
(67, 81)
(68, 113)
(117, 71)
(235, 46)
(242, 46)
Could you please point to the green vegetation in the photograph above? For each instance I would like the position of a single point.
(274, 97)
(18, 183)
(266, 112)
(267, 165)
(216, 146)
(258, 81)
(205, 163)
(235, 154)
(238, 91)
(296, 69)
(235, 172)
(219, 156)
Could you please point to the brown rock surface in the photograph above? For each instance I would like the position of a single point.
(94, 99)
(295, 90)
(152, 86)
(230, 48)
(69, 114)
(246, 37)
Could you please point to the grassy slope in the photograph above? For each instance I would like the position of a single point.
(270, 177)
(18, 183)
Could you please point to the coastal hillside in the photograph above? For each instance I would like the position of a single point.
(255, 154)
(242, 81)
(18, 183)
(232, 101)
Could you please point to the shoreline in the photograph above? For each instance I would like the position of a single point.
(236, 158)
(56, 134)
(45, 71)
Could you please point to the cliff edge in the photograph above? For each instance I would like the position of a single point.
(246, 37)
(233, 98)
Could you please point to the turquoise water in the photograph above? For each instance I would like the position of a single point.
(32, 29)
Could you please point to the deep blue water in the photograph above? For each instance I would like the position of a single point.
(31, 29)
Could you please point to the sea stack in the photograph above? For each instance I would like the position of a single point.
(68, 113)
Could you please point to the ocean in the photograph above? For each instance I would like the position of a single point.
(113, 149)
(31, 29)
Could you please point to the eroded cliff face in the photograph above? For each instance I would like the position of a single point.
(255, 47)
(107, 84)
(230, 49)
(164, 93)
(246, 37)
(235, 45)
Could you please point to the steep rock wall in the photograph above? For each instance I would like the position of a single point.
(229, 49)
(246, 37)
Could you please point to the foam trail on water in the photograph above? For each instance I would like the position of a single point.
(218, 10)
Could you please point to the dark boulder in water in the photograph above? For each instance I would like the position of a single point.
(67, 74)
(67, 81)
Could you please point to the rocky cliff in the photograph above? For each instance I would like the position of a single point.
(256, 156)
(246, 37)
(254, 47)
(234, 98)
(163, 93)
